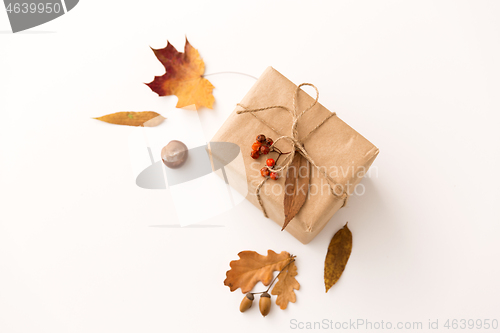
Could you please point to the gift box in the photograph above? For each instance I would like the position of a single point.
(339, 153)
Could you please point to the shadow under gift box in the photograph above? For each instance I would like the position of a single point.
(337, 148)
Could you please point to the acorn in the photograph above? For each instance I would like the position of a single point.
(246, 303)
(265, 303)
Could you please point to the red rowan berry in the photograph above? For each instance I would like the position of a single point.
(256, 145)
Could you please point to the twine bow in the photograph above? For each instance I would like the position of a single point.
(293, 138)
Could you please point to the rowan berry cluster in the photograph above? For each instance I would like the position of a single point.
(261, 146)
(264, 146)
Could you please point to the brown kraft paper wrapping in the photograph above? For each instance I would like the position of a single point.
(343, 153)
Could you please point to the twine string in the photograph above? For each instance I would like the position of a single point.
(293, 139)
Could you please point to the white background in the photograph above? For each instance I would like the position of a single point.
(80, 250)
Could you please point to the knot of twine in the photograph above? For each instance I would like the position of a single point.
(293, 138)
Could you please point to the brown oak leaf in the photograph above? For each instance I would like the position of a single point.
(337, 256)
(183, 77)
(253, 267)
(286, 285)
(296, 187)
(130, 118)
